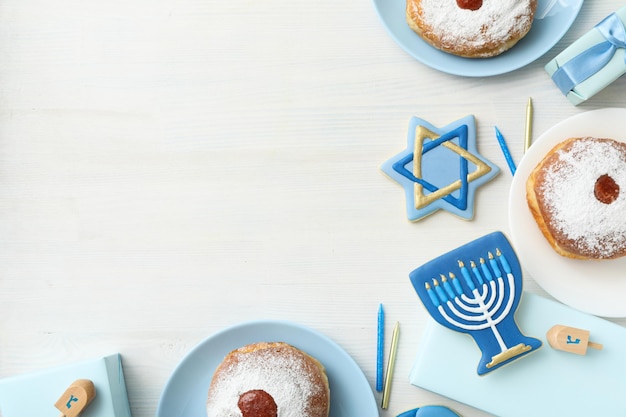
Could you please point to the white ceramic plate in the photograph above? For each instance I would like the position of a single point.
(595, 287)
(553, 20)
(185, 393)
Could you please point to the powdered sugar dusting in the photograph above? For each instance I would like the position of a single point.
(569, 196)
(496, 21)
(284, 377)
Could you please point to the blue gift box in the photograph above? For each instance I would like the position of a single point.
(35, 394)
(593, 61)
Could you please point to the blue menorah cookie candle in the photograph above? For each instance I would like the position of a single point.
(475, 289)
(593, 61)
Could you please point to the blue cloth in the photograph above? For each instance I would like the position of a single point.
(589, 62)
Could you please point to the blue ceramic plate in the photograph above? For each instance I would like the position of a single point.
(186, 391)
(552, 20)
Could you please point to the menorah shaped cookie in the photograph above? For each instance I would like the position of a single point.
(475, 289)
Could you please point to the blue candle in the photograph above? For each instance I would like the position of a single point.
(476, 272)
(505, 263)
(486, 271)
(432, 295)
(380, 348)
(447, 286)
(494, 266)
(442, 295)
(505, 151)
(456, 284)
(466, 275)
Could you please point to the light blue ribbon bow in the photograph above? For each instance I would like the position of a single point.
(589, 62)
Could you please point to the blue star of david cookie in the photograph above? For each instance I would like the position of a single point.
(440, 169)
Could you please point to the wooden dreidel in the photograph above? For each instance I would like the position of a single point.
(76, 398)
(570, 339)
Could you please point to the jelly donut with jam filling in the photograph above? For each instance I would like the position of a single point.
(471, 28)
(269, 380)
(577, 196)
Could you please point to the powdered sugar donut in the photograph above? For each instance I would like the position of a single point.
(471, 28)
(269, 380)
(577, 195)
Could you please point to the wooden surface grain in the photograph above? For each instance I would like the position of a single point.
(170, 168)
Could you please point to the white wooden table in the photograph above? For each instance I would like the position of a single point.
(170, 168)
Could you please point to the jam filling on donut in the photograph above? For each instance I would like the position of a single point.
(469, 4)
(606, 189)
(257, 403)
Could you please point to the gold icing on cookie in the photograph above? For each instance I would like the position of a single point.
(421, 199)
